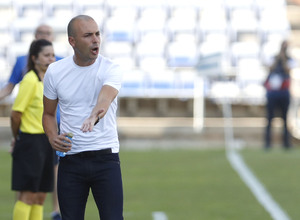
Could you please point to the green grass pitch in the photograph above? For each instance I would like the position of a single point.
(189, 184)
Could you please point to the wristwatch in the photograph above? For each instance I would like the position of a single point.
(98, 119)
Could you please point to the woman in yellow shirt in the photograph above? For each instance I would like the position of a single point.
(32, 168)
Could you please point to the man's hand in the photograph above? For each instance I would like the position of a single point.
(61, 143)
(91, 121)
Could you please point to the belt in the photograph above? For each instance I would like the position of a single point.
(86, 154)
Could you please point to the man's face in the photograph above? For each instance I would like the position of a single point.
(86, 42)
(44, 32)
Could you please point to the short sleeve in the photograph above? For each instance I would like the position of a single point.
(26, 92)
(49, 88)
(114, 77)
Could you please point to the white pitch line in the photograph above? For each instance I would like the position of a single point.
(159, 216)
(237, 162)
(261, 194)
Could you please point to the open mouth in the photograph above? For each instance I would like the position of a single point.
(95, 50)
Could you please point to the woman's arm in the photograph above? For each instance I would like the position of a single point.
(15, 122)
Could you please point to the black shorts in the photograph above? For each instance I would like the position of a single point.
(33, 166)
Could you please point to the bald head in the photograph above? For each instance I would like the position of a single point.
(45, 32)
(71, 30)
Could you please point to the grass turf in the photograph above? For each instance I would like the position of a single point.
(278, 170)
(189, 184)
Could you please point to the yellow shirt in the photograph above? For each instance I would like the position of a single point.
(29, 102)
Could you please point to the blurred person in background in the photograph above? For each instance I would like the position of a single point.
(277, 86)
(43, 31)
(32, 155)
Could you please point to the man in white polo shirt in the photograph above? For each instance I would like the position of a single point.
(85, 86)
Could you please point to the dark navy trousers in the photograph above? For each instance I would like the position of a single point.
(77, 174)
(277, 100)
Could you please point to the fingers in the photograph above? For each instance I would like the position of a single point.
(87, 126)
(90, 122)
(62, 143)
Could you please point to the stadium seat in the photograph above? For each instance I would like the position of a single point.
(162, 83)
(7, 13)
(59, 24)
(185, 36)
(238, 4)
(4, 68)
(149, 3)
(98, 13)
(62, 49)
(115, 49)
(186, 82)
(6, 3)
(183, 4)
(224, 90)
(157, 37)
(216, 37)
(204, 4)
(6, 38)
(250, 71)
(182, 54)
(243, 21)
(22, 26)
(111, 4)
(268, 4)
(120, 28)
(145, 46)
(127, 62)
(213, 46)
(17, 49)
(33, 8)
(152, 19)
(254, 94)
(269, 49)
(213, 20)
(127, 13)
(150, 63)
(240, 50)
(134, 84)
(274, 20)
(250, 77)
(182, 20)
(81, 5)
(58, 7)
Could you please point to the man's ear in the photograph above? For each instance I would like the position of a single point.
(71, 41)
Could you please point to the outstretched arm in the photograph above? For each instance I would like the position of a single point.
(6, 90)
(105, 98)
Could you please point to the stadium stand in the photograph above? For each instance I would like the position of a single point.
(160, 42)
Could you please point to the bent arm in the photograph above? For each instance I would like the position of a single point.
(58, 142)
(49, 117)
(105, 98)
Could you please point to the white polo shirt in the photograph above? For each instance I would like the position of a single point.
(77, 89)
